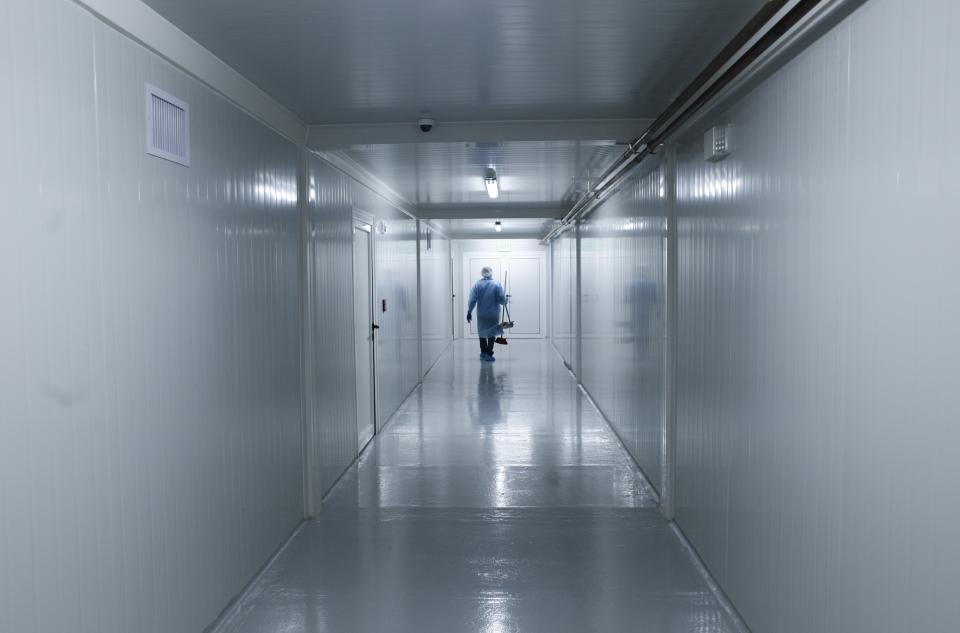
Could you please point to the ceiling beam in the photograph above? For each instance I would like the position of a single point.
(331, 137)
(490, 211)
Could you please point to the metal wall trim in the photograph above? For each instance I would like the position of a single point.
(578, 298)
(310, 472)
(736, 620)
(369, 180)
(234, 606)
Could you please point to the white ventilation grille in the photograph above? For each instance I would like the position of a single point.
(168, 126)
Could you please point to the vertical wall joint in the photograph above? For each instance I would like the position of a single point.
(668, 167)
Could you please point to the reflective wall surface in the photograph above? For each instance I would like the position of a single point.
(331, 401)
(563, 321)
(333, 200)
(818, 342)
(436, 301)
(622, 277)
(150, 412)
(816, 381)
(497, 501)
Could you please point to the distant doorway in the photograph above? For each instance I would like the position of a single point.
(364, 330)
(524, 277)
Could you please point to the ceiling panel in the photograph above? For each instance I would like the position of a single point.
(536, 172)
(364, 61)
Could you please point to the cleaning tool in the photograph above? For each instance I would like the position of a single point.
(506, 322)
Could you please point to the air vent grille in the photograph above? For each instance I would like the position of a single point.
(168, 126)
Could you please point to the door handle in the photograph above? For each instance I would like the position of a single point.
(374, 326)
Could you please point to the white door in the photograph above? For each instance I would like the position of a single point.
(363, 332)
(524, 278)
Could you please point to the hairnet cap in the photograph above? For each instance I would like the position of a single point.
(486, 271)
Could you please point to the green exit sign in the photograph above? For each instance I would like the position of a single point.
(503, 247)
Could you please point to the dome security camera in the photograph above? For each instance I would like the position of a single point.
(425, 125)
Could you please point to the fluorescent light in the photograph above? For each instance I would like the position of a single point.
(497, 226)
(490, 182)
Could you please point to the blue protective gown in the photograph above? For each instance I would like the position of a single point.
(487, 296)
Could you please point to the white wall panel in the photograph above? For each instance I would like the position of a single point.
(563, 295)
(523, 266)
(330, 377)
(435, 303)
(818, 341)
(622, 274)
(149, 400)
(332, 199)
(397, 341)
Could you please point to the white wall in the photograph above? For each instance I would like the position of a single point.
(517, 247)
(460, 313)
(149, 377)
(818, 385)
(817, 389)
(435, 302)
(622, 272)
(563, 329)
(332, 200)
(331, 403)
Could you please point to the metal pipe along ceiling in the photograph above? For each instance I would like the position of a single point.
(776, 19)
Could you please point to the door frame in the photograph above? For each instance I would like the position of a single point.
(365, 222)
(469, 279)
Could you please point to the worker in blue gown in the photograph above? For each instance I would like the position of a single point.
(487, 296)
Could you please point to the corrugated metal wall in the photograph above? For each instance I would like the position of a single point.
(622, 276)
(332, 199)
(435, 302)
(512, 247)
(331, 402)
(398, 352)
(818, 383)
(150, 412)
(563, 295)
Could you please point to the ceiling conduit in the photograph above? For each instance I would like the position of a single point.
(765, 36)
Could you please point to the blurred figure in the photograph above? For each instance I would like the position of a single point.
(642, 297)
(486, 296)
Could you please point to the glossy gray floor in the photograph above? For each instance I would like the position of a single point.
(496, 501)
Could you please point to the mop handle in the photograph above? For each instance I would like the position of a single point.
(506, 283)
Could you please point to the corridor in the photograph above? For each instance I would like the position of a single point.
(240, 389)
(496, 500)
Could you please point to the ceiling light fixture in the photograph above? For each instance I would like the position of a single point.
(497, 226)
(490, 182)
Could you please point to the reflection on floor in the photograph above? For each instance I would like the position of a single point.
(496, 501)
